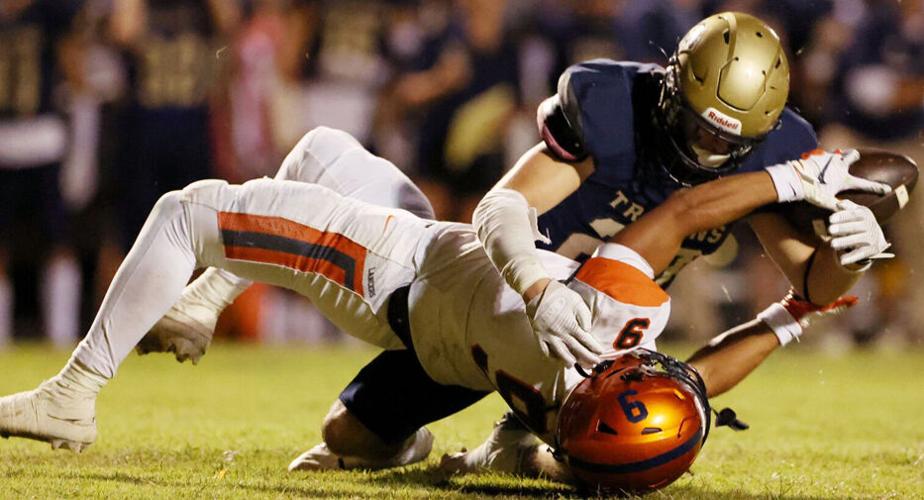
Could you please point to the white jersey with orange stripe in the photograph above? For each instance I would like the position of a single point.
(470, 329)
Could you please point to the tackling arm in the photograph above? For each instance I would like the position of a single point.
(730, 357)
(657, 235)
(502, 218)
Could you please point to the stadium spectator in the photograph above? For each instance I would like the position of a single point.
(35, 41)
(878, 101)
(169, 48)
(470, 93)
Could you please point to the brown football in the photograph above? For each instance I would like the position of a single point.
(896, 170)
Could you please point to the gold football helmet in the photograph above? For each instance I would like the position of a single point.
(723, 92)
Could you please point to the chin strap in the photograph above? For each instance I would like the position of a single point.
(728, 418)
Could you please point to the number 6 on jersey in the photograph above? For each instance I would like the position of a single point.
(631, 334)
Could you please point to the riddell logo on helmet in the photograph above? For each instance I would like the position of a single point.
(722, 121)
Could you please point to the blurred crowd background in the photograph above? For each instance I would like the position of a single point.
(106, 104)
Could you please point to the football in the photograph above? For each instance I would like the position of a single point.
(898, 171)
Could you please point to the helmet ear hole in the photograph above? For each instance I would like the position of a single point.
(606, 429)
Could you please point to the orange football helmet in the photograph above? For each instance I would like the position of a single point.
(634, 424)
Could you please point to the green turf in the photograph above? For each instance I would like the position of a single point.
(822, 427)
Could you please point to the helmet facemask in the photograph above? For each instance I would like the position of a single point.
(723, 92)
(701, 151)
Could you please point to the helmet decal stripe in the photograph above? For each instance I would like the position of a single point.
(643, 464)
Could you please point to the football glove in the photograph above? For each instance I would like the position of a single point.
(819, 176)
(788, 317)
(562, 321)
(856, 235)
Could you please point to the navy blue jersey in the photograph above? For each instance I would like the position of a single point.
(609, 105)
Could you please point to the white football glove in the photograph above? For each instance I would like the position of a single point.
(561, 321)
(856, 235)
(818, 176)
(789, 317)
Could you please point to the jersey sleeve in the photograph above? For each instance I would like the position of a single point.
(628, 308)
(592, 112)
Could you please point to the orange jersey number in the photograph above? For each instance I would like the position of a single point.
(631, 334)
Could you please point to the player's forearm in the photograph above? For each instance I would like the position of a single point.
(505, 222)
(730, 357)
(505, 227)
(657, 236)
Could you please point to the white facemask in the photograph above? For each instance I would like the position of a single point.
(707, 158)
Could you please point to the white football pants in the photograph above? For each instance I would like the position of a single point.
(285, 233)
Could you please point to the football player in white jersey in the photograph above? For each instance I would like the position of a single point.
(361, 265)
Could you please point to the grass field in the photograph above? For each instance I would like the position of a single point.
(821, 427)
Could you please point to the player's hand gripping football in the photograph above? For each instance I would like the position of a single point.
(562, 321)
(856, 235)
(819, 176)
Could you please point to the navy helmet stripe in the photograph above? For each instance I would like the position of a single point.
(641, 465)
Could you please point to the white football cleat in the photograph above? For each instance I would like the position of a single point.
(321, 458)
(44, 414)
(505, 450)
(180, 334)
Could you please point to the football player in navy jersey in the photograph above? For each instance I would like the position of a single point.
(618, 138)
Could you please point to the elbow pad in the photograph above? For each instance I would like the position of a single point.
(508, 229)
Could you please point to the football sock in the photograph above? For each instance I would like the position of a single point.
(416, 450)
(209, 294)
(75, 381)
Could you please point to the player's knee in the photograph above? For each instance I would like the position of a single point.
(325, 136)
(169, 205)
(340, 430)
(320, 147)
(344, 434)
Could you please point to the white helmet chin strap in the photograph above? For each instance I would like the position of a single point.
(707, 158)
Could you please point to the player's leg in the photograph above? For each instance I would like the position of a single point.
(294, 235)
(378, 420)
(62, 410)
(324, 156)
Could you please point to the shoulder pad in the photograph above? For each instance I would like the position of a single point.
(560, 124)
(563, 139)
